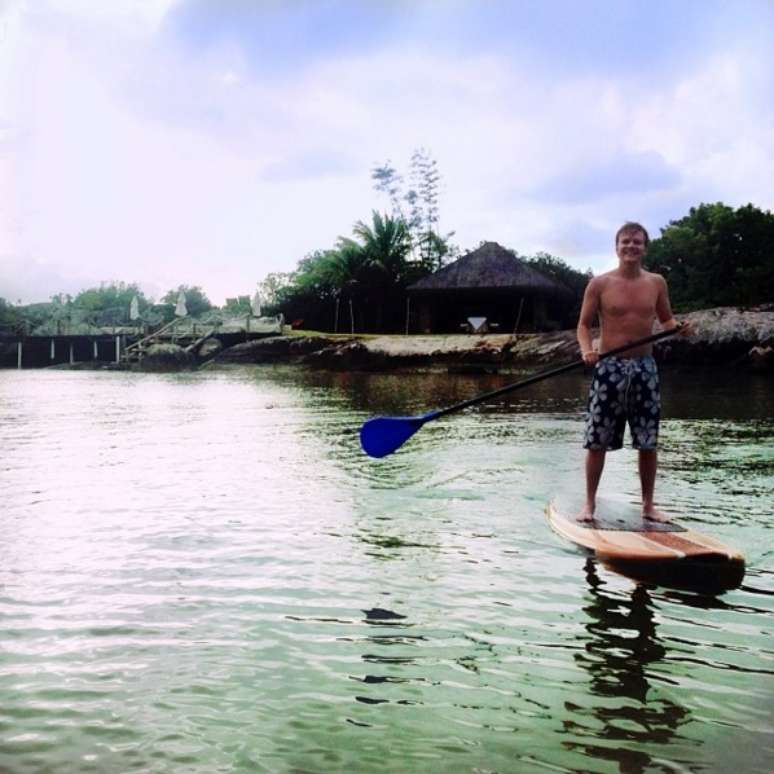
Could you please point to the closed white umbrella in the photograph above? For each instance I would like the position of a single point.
(180, 309)
(256, 305)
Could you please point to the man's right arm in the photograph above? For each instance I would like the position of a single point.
(588, 312)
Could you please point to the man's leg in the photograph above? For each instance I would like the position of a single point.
(595, 463)
(648, 463)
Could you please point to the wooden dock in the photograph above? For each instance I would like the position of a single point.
(59, 343)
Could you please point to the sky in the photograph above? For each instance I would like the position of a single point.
(211, 142)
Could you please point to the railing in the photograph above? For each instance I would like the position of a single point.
(202, 339)
(139, 344)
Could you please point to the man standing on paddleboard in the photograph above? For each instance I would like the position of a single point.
(627, 300)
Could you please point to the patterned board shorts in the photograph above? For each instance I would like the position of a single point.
(623, 389)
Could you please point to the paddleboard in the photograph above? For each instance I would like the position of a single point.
(667, 554)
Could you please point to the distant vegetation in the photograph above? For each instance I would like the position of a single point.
(103, 306)
(361, 281)
(714, 256)
(362, 278)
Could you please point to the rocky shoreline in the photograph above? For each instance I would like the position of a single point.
(727, 336)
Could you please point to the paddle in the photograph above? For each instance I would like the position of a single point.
(384, 435)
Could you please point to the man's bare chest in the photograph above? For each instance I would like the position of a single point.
(629, 299)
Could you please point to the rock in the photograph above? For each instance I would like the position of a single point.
(720, 336)
(273, 349)
(166, 357)
(723, 335)
(209, 349)
(353, 356)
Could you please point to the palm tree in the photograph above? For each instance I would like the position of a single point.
(387, 243)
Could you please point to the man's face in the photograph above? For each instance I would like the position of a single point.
(631, 246)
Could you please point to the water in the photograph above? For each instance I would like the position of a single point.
(203, 573)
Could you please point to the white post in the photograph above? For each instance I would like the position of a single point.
(18, 355)
(118, 349)
(96, 351)
(53, 349)
(72, 354)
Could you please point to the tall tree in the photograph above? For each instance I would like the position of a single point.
(425, 180)
(717, 256)
(388, 181)
(421, 212)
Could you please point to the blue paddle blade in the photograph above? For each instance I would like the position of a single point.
(383, 435)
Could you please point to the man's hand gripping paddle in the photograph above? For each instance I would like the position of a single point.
(384, 435)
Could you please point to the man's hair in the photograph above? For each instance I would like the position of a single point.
(631, 226)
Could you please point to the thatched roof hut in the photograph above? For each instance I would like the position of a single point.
(491, 283)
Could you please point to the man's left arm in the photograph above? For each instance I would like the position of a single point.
(664, 310)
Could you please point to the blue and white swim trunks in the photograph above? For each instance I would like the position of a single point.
(623, 389)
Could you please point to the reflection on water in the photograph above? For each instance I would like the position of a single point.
(204, 572)
(623, 643)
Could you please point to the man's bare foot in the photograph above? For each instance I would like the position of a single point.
(654, 515)
(586, 514)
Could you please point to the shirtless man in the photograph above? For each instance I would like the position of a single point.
(628, 300)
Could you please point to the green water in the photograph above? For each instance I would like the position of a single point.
(203, 573)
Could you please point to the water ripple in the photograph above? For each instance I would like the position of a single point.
(203, 573)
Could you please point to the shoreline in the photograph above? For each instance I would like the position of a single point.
(725, 336)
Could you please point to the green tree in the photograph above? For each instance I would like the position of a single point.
(385, 246)
(716, 256)
(559, 270)
(368, 273)
(383, 249)
(9, 315)
(270, 288)
(107, 304)
(237, 306)
(309, 291)
(108, 295)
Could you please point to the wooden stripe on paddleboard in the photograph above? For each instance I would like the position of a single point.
(621, 538)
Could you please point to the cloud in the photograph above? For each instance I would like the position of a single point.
(624, 40)
(207, 143)
(311, 164)
(25, 278)
(623, 173)
(576, 238)
(275, 37)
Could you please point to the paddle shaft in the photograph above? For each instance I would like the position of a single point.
(547, 375)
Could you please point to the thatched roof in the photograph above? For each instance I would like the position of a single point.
(490, 267)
